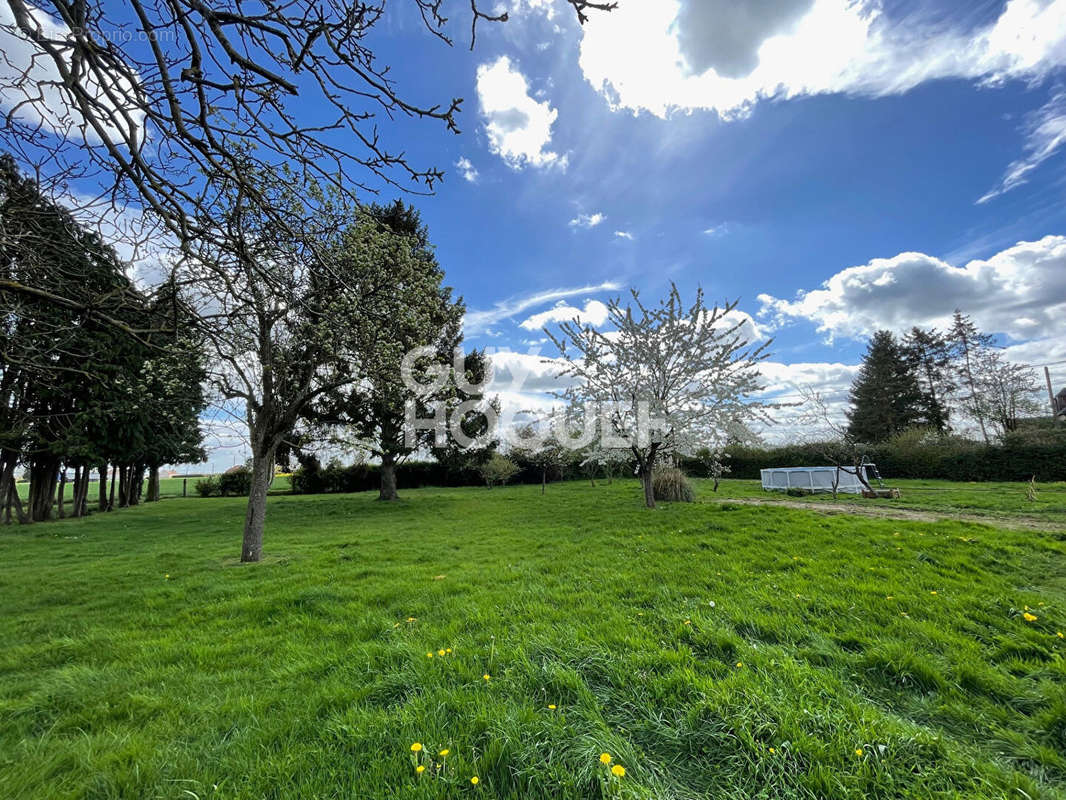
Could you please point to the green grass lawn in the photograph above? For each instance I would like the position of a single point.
(714, 651)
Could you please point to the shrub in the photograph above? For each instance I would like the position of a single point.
(237, 482)
(498, 469)
(207, 487)
(671, 486)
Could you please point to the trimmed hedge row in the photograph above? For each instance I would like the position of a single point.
(312, 478)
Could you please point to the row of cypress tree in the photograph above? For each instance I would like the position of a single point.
(106, 382)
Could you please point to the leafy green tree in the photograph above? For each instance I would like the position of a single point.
(929, 355)
(405, 308)
(885, 396)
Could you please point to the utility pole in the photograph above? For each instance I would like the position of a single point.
(1051, 394)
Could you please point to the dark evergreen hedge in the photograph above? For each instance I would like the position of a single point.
(1016, 459)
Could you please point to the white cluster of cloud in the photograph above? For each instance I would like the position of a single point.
(32, 84)
(664, 55)
(587, 221)
(467, 170)
(624, 235)
(594, 313)
(1020, 292)
(519, 128)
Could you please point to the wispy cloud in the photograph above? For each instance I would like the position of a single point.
(1045, 133)
(477, 322)
(587, 221)
(624, 235)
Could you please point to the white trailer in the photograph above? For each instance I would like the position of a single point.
(816, 479)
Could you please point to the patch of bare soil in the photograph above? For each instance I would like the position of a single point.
(1019, 521)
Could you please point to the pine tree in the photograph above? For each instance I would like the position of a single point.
(929, 356)
(885, 397)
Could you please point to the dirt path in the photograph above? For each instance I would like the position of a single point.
(908, 514)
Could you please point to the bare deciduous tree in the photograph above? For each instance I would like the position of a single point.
(148, 114)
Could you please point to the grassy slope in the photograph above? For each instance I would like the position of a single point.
(302, 678)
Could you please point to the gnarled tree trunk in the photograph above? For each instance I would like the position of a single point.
(153, 485)
(388, 477)
(255, 518)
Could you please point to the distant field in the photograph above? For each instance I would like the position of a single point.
(713, 650)
(168, 487)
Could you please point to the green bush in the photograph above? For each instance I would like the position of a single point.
(207, 487)
(236, 483)
(671, 486)
(498, 469)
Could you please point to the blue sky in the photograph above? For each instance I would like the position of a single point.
(764, 185)
(836, 165)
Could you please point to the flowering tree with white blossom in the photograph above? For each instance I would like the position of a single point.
(665, 379)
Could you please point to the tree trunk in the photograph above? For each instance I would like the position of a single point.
(16, 502)
(649, 489)
(60, 500)
(647, 470)
(43, 475)
(136, 485)
(111, 500)
(153, 485)
(388, 477)
(102, 487)
(7, 483)
(255, 518)
(123, 486)
(543, 480)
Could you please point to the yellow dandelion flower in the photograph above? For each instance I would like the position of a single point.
(166, 577)
(933, 592)
(551, 707)
(444, 752)
(688, 622)
(618, 771)
(1059, 634)
(411, 619)
(772, 751)
(605, 758)
(475, 780)
(440, 652)
(740, 664)
(416, 747)
(447, 650)
(420, 768)
(486, 676)
(1029, 617)
(859, 752)
(429, 655)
